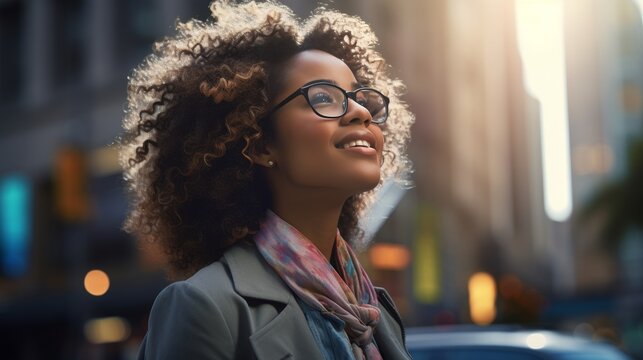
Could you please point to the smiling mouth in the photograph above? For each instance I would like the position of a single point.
(354, 144)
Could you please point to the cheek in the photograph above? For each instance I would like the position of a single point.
(379, 139)
(305, 142)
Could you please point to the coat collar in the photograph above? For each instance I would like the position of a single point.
(253, 277)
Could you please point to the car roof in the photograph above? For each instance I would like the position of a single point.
(542, 340)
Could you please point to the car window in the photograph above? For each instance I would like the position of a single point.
(467, 354)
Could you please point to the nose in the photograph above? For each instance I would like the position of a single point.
(356, 114)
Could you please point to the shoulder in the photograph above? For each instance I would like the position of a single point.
(213, 281)
(195, 318)
(218, 311)
(208, 287)
(212, 287)
(186, 320)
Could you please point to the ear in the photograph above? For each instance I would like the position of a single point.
(264, 154)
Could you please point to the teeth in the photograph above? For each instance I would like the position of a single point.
(355, 143)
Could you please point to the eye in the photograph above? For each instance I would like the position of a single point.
(363, 98)
(323, 95)
(320, 97)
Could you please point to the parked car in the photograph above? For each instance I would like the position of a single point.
(504, 344)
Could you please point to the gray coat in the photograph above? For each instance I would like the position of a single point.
(239, 308)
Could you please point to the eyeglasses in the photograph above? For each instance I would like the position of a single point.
(330, 101)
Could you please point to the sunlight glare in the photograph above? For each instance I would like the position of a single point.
(541, 44)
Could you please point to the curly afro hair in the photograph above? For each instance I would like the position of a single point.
(194, 114)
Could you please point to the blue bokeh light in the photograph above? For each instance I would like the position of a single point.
(15, 210)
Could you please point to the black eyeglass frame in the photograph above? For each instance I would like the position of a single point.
(347, 95)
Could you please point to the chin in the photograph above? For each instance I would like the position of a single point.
(369, 183)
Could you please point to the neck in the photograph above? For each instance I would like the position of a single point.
(315, 216)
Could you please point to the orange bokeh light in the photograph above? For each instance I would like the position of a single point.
(389, 256)
(96, 282)
(482, 298)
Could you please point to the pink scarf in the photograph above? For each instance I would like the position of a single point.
(349, 295)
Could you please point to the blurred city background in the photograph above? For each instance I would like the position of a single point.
(527, 206)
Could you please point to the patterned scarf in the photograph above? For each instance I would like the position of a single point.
(349, 295)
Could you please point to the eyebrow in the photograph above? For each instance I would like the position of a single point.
(354, 84)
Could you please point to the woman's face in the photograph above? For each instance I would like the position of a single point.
(312, 152)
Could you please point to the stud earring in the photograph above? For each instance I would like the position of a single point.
(271, 163)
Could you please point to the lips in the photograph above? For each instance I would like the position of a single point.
(357, 139)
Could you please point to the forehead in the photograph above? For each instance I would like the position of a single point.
(312, 65)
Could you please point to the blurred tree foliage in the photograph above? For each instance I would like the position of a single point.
(620, 202)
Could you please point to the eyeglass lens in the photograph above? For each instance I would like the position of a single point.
(328, 100)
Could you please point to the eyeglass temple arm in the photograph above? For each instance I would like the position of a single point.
(285, 101)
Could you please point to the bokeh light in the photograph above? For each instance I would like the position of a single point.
(390, 256)
(482, 298)
(107, 330)
(536, 341)
(96, 282)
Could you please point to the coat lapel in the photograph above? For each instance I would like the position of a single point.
(387, 342)
(287, 336)
(388, 332)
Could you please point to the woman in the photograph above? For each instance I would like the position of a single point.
(252, 144)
